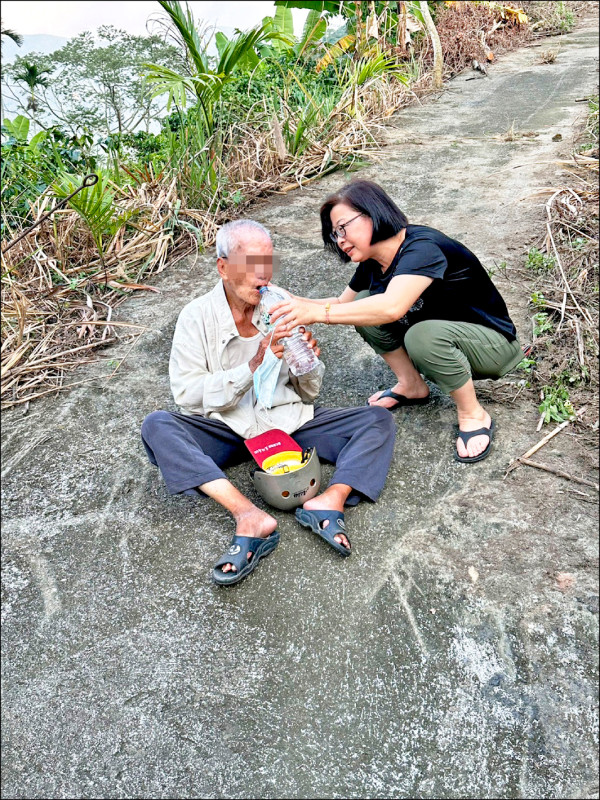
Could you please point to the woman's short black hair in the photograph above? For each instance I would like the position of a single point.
(370, 199)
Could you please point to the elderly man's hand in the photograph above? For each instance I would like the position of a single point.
(275, 344)
(311, 341)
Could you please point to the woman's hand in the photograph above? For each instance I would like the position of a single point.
(296, 312)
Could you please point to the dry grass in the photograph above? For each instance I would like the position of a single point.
(548, 56)
(473, 32)
(567, 292)
(550, 18)
(58, 298)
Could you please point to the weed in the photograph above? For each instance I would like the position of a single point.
(556, 405)
(567, 22)
(592, 123)
(548, 56)
(542, 323)
(578, 243)
(501, 267)
(538, 300)
(539, 262)
(528, 365)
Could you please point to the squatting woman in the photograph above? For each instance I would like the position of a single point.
(421, 300)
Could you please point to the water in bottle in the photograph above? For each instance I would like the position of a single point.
(300, 357)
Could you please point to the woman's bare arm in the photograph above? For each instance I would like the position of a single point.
(346, 297)
(379, 309)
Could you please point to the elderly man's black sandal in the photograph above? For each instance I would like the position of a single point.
(401, 400)
(467, 435)
(315, 519)
(237, 555)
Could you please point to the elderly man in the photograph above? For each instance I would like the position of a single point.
(217, 347)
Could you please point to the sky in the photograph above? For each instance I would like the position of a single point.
(71, 18)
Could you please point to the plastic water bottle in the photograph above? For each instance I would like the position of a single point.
(300, 357)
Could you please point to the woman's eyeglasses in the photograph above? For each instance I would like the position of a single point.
(340, 231)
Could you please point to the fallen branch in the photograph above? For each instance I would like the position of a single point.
(558, 472)
(514, 464)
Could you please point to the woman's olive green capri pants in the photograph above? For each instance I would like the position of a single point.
(448, 353)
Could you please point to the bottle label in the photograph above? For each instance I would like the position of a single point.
(265, 318)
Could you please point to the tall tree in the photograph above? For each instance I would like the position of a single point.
(10, 34)
(97, 83)
(35, 77)
(106, 68)
(438, 56)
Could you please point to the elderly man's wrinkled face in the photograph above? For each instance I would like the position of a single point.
(248, 267)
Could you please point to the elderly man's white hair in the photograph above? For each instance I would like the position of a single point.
(228, 235)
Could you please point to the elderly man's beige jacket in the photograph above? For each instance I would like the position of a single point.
(203, 380)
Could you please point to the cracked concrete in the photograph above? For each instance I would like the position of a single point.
(441, 660)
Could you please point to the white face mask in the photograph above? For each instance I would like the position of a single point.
(265, 379)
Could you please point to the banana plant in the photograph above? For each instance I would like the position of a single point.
(284, 41)
(353, 35)
(283, 23)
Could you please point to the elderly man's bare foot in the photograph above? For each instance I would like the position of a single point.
(327, 502)
(252, 523)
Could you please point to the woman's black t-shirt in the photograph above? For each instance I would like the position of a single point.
(461, 291)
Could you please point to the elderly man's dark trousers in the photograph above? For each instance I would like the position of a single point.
(193, 450)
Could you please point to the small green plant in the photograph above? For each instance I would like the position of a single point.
(567, 378)
(542, 323)
(528, 365)
(567, 21)
(578, 243)
(539, 262)
(501, 267)
(538, 300)
(556, 405)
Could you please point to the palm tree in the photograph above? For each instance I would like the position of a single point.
(16, 37)
(33, 75)
(18, 40)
